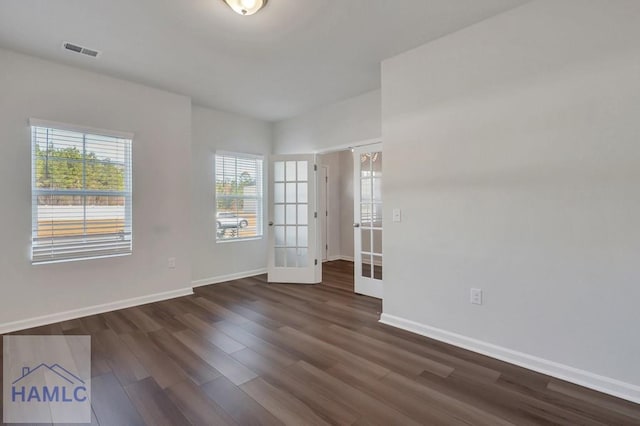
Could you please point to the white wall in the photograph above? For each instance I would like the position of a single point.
(214, 130)
(332, 162)
(512, 149)
(341, 124)
(340, 190)
(31, 87)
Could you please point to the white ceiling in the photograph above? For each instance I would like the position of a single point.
(291, 57)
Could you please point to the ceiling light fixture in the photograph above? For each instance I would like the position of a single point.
(246, 7)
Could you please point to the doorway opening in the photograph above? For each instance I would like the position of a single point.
(336, 212)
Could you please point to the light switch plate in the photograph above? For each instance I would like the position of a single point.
(476, 296)
(397, 215)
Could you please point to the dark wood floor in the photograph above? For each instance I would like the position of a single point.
(250, 353)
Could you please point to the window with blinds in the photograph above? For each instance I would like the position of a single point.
(238, 196)
(81, 193)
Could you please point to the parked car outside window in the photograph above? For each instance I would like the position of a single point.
(226, 220)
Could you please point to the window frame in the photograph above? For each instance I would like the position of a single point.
(259, 198)
(127, 193)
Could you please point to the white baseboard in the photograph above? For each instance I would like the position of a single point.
(584, 378)
(228, 277)
(339, 257)
(91, 310)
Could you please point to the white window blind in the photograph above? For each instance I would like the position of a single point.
(239, 188)
(81, 193)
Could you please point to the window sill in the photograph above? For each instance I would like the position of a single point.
(49, 262)
(236, 240)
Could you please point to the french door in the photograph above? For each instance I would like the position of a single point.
(367, 225)
(293, 225)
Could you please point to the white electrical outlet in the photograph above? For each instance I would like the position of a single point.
(476, 296)
(171, 263)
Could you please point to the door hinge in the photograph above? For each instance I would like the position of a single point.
(315, 167)
(316, 262)
(315, 215)
(326, 247)
(326, 179)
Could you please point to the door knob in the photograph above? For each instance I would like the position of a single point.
(270, 223)
(356, 225)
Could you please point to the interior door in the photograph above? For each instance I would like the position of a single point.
(293, 225)
(367, 224)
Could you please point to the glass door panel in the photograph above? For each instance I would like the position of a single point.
(292, 233)
(368, 220)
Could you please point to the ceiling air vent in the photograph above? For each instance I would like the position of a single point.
(79, 49)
